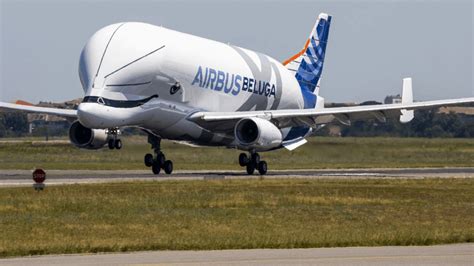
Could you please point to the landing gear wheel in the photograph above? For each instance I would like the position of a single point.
(160, 158)
(256, 158)
(156, 168)
(168, 167)
(158, 161)
(148, 160)
(243, 159)
(111, 144)
(250, 168)
(118, 144)
(262, 167)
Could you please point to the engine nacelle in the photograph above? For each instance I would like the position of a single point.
(87, 138)
(257, 133)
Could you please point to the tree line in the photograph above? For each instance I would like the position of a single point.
(427, 123)
(13, 124)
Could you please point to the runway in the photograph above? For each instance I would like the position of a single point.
(458, 254)
(58, 177)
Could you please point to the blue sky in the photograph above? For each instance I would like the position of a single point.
(372, 44)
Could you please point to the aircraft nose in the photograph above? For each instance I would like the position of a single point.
(87, 114)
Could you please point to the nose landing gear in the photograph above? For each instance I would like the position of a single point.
(158, 161)
(253, 163)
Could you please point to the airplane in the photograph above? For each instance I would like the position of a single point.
(193, 90)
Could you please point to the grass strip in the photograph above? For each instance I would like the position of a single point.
(235, 214)
(318, 153)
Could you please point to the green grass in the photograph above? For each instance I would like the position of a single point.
(320, 152)
(228, 214)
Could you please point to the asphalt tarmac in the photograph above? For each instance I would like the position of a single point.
(458, 254)
(59, 177)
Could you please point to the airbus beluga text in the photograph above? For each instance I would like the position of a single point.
(185, 88)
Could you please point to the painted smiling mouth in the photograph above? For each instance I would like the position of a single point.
(117, 103)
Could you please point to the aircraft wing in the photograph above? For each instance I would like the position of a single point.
(351, 113)
(225, 121)
(222, 121)
(36, 109)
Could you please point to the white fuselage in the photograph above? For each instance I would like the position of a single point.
(128, 62)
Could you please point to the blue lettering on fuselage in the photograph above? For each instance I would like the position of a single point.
(219, 80)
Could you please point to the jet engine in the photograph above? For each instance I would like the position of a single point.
(257, 133)
(87, 138)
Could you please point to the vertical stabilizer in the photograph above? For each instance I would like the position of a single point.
(308, 63)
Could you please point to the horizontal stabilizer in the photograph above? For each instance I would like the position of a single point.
(291, 145)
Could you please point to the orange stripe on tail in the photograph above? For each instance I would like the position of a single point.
(287, 61)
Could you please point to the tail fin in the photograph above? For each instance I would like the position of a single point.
(308, 63)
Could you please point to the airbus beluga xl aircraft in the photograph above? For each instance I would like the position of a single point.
(185, 88)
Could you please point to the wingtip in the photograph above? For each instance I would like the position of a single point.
(21, 102)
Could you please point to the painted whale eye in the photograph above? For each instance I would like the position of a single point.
(175, 88)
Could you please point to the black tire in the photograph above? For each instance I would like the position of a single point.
(262, 167)
(168, 167)
(160, 158)
(256, 158)
(148, 160)
(243, 159)
(118, 144)
(250, 168)
(111, 144)
(155, 168)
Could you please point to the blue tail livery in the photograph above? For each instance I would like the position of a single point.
(308, 63)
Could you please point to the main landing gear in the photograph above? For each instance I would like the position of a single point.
(253, 163)
(158, 161)
(114, 141)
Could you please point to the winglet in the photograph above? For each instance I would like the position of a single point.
(407, 98)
